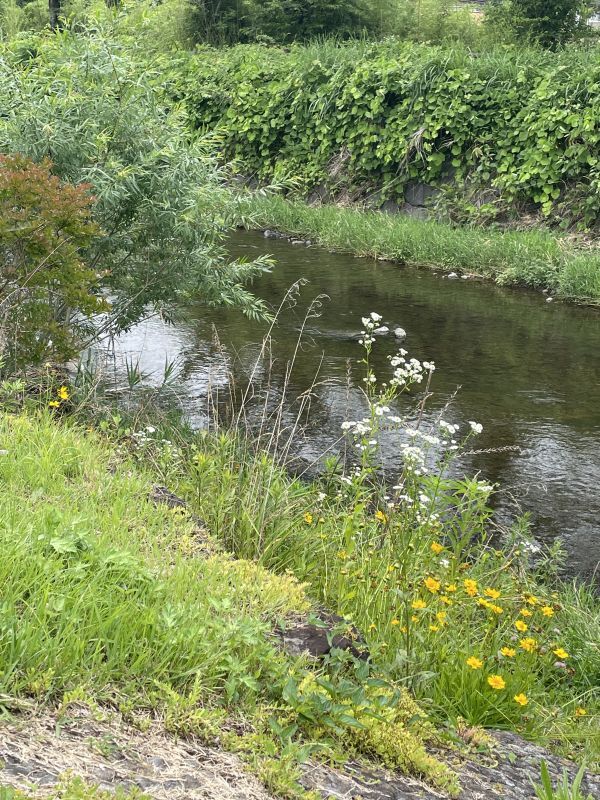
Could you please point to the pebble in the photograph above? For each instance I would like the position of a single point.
(549, 299)
(399, 333)
(452, 276)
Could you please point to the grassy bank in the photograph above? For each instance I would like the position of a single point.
(479, 627)
(110, 599)
(535, 258)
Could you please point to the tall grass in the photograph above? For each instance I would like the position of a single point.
(536, 258)
(107, 598)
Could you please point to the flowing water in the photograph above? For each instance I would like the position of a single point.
(527, 369)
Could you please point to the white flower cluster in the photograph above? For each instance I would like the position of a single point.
(359, 427)
(407, 371)
(370, 323)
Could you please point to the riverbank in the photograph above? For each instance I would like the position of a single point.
(103, 604)
(538, 259)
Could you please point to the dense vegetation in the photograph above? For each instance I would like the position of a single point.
(118, 155)
(91, 106)
(489, 130)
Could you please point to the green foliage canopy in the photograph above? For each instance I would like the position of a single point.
(93, 107)
(548, 23)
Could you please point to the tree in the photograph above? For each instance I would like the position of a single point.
(548, 22)
(95, 109)
(285, 20)
(54, 11)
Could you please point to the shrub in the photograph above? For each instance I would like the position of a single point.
(47, 291)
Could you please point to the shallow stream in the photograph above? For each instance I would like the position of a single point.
(528, 370)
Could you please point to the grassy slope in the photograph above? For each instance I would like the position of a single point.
(98, 587)
(534, 258)
(377, 569)
(107, 598)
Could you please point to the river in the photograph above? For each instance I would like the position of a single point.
(528, 370)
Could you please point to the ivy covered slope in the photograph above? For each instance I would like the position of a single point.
(364, 117)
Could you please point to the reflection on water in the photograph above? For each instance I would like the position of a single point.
(528, 370)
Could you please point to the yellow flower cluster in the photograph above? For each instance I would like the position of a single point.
(63, 394)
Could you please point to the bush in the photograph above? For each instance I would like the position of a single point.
(47, 291)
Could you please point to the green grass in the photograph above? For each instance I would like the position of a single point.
(373, 569)
(105, 598)
(535, 258)
(97, 588)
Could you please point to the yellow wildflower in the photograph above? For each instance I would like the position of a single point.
(419, 604)
(525, 612)
(63, 393)
(54, 404)
(474, 663)
(520, 625)
(414, 618)
(496, 609)
(403, 629)
(547, 611)
(395, 622)
(509, 652)
(445, 599)
(432, 584)
(560, 652)
(532, 600)
(436, 548)
(496, 682)
(379, 515)
(451, 587)
(434, 628)
(580, 712)
(441, 617)
(493, 593)
(308, 518)
(528, 644)
(521, 699)
(470, 587)
(372, 627)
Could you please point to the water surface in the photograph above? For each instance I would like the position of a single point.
(527, 369)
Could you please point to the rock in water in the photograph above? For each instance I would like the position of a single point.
(381, 331)
(399, 333)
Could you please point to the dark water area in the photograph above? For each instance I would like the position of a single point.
(528, 370)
